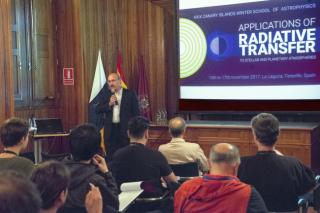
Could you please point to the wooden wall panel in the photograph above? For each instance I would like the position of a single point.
(142, 28)
(69, 53)
(167, 5)
(304, 146)
(135, 28)
(171, 60)
(6, 76)
(83, 27)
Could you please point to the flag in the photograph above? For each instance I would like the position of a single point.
(143, 90)
(97, 95)
(120, 71)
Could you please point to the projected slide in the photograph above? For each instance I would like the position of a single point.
(249, 50)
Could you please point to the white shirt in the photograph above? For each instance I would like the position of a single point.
(116, 108)
(179, 151)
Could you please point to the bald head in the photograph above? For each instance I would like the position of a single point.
(224, 153)
(177, 126)
(114, 75)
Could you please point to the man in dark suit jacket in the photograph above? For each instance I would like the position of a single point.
(118, 107)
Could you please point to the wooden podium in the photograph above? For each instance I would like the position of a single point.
(300, 140)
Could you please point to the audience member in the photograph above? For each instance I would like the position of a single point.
(136, 162)
(178, 151)
(221, 190)
(87, 167)
(279, 179)
(14, 134)
(52, 180)
(18, 194)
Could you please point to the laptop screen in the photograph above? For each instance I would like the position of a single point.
(49, 126)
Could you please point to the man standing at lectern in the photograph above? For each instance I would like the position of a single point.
(119, 106)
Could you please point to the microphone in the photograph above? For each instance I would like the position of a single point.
(113, 92)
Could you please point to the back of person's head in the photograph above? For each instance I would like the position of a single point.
(52, 180)
(177, 126)
(137, 126)
(12, 131)
(224, 153)
(18, 194)
(84, 142)
(265, 127)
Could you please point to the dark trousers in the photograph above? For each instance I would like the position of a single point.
(117, 141)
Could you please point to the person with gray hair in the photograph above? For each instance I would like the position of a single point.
(279, 179)
(230, 156)
(178, 151)
(213, 192)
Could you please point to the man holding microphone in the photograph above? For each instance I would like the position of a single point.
(119, 106)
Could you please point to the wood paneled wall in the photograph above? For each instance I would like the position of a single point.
(136, 28)
(132, 27)
(172, 67)
(70, 54)
(6, 76)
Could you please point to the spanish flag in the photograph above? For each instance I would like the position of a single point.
(97, 95)
(120, 71)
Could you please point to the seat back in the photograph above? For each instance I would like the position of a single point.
(316, 198)
(72, 210)
(58, 157)
(189, 169)
(310, 198)
(163, 203)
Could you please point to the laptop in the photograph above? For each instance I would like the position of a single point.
(49, 126)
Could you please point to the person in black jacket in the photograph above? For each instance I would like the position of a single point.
(279, 179)
(117, 108)
(88, 167)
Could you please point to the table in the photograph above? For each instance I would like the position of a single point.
(37, 144)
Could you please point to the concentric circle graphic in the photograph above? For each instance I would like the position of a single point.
(193, 47)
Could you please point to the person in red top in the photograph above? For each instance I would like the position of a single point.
(220, 191)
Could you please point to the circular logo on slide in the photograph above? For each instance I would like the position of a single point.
(221, 46)
(193, 47)
(218, 45)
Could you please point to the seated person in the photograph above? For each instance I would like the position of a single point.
(87, 167)
(178, 151)
(14, 135)
(279, 179)
(220, 190)
(52, 180)
(18, 194)
(136, 162)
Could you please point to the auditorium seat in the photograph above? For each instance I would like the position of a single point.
(153, 201)
(163, 203)
(311, 199)
(58, 157)
(72, 210)
(189, 169)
